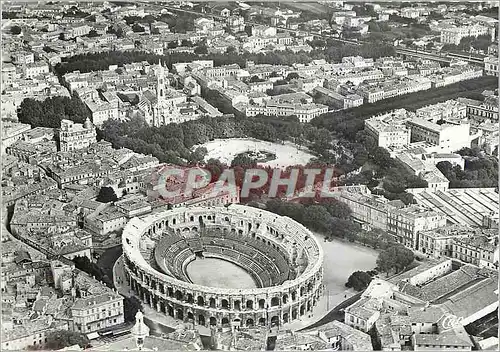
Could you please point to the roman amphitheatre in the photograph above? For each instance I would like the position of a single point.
(215, 266)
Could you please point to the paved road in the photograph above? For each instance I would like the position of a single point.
(108, 258)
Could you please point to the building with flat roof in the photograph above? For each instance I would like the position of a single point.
(390, 129)
(448, 137)
(448, 110)
(405, 224)
(74, 136)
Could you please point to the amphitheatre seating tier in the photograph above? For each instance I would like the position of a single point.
(269, 259)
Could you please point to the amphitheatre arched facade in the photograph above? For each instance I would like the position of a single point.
(283, 257)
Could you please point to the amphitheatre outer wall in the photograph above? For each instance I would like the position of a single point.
(279, 300)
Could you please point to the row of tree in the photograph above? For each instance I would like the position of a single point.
(332, 52)
(324, 215)
(172, 143)
(395, 259)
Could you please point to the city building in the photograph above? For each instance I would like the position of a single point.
(390, 129)
(405, 224)
(97, 312)
(454, 34)
(447, 136)
(304, 112)
(491, 66)
(74, 136)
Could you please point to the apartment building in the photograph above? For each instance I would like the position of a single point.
(32, 334)
(454, 34)
(448, 137)
(74, 136)
(367, 209)
(406, 223)
(390, 130)
(450, 109)
(476, 249)
(97, 312)
(337, 100)
(491, 66)
(35, 69)
(304, 112)
(439, 242)
(480, 111)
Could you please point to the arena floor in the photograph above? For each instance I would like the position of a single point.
(226, 149)
(219, 273)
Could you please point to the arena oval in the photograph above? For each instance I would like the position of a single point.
(283, 257)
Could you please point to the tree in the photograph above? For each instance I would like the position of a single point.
(137, 28)
(395, 258)
(359, 280)
(106, 195)
(201, 50)
(292, 75)
(131, 305)
(230, 49)
(59, 339)
(243, 160)
(93, 33)
(15, 30)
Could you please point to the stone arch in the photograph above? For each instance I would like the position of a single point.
(201, 319)
(309, 287)
(190, 316)
(213, 321)
(275, 301)
(200, 301)
(262, 321)
(249, 323)
(178, 295)
(285, 299)
(262, 303)
(302, 290)
(275, 321)
(294, 295)
(294, 313)
(285, 318)
(189, 298)
(237, 305)
(170, 310)
(212, 302)
(180, 313)
(302, 309)
(170, 292)
(249, 304)
(191, 218)
(224, 304)
(225, 321)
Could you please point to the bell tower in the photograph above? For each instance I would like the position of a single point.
(140, 330)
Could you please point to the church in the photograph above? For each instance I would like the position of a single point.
(166, 105)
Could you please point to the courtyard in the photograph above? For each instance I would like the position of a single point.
(286, 154)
